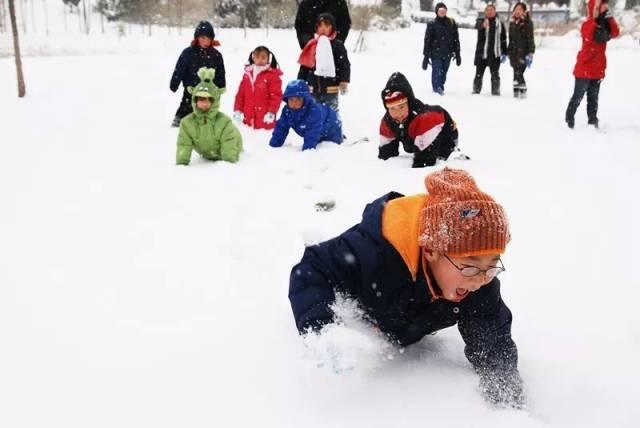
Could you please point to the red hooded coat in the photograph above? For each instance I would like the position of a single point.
(255, 98)
(592, 60)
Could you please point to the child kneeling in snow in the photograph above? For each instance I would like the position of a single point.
(260, 91)
(207, 131)
(313, 121)
(427, 131)
(418, 264)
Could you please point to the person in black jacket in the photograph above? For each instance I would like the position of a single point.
(201, 53)
(307, 17)
(491, 49)
(324, 63)
(441, 45)
(419, 264)
(521, 47)
(427, 131)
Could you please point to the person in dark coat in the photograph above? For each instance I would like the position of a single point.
(521, 47)
(597, 30)
(312, 121)
(201, 53)
(324, 63)
(441, 45)
(427, 131)
(307, 17)
(491, 49)
(419, 264)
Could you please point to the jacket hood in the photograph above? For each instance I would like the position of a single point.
(297, 88)
(398, 83)
(205, 88)
(269, 69)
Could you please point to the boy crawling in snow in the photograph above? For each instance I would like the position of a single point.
(418, 264)
(313, 121)
(207, 131)
(427, 131)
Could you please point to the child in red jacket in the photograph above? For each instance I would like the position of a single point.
(597, 30)
(260, 92)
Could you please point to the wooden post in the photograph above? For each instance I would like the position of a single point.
(16, 48)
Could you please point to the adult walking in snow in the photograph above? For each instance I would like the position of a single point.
(491, 49)
(521, 47)
(441, 45)
(201, 53)
(418, 264)
(596, 31)
(307, 17)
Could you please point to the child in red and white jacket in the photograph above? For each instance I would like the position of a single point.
(427, 131)
(260, 91)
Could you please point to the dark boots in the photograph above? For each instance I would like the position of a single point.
(477, 85)
(495, 86)
(519, 90)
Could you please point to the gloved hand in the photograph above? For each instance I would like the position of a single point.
(269, 118)
(425, 63)
(528, 60)
(238, 116)
(458, 60)
(503, 390)
(503, 58)
(344, 88)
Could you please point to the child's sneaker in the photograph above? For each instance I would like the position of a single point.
(176, 122)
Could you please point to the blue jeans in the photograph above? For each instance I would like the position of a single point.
(592, 89)
(439, 69)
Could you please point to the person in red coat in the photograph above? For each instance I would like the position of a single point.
(597, 30)
(260, 92)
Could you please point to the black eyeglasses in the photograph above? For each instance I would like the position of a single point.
(470, 271)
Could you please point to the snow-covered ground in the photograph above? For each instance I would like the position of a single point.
(135, 293)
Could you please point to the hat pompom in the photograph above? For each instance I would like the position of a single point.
(449, 182)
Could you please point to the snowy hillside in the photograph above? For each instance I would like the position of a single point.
(135, 293)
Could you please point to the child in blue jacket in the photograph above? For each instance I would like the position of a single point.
(313, 121)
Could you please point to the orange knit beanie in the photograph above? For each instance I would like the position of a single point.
(459, 219)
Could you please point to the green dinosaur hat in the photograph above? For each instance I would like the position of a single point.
(206, 88)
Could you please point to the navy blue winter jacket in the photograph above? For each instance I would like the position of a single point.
(314, 122)
(363, 264)
(191, 60)
(441, 39)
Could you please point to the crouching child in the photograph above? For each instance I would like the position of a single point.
(418, 264)
(427, 131)
(209, 132)
(312, 121)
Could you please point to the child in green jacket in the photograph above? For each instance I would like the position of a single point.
(207, 131)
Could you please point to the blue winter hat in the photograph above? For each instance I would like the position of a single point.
(204, 29)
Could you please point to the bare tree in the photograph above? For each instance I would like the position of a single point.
(3, 13)
(46, 16)
(23, 13)
(16, 47)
